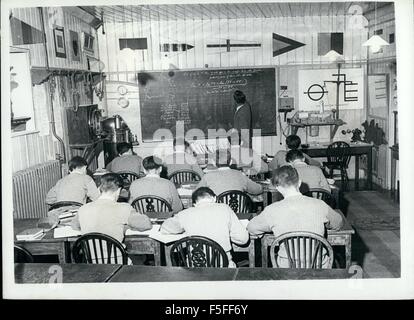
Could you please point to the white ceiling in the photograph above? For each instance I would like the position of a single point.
(225, 10)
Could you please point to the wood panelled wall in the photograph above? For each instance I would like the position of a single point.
(384, 63)
(36, 147)
(199, 33)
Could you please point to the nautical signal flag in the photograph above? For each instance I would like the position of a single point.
(23, 33)
(133, 43)
(282, 44)
(174, 47)
(330, 41)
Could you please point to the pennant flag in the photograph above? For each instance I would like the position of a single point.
(174, 47)
(282, 44)
(228, 45)
(23, 33)
(133, 43)
(330, 41)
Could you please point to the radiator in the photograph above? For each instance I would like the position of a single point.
(30, 187)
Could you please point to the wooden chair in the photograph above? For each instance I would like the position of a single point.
(98, 248)
(61, 204)
(198, 251)
(22, 255)
(146, 204)
(183, 176)
(304, 250)
(128, 177)
(238, 201)
(338, 157)
(323, 195)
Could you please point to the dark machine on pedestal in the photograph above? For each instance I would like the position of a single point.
(90, 134)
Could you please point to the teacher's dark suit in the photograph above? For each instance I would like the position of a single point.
(243, 120)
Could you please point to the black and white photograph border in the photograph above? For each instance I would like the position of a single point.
(381, 283)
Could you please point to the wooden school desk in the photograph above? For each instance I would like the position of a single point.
(45, 246)
(171, 274)
(70, 273)
(356, 150)
(341, 237)
(135, 244)
(100, 273)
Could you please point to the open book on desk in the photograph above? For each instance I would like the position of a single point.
(166, 238)
(65, 232)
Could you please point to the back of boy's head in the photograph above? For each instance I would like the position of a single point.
(223, 158)
(239, 96)
(123, 147)
(201, 193)
(77, 163)
(111, 182)
(151, 163)
(285, 176)
(293, 155)
(293, 142)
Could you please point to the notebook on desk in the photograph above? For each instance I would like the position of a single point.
(65, 232)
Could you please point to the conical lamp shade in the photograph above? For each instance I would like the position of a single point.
(333, 55)
(375, 41)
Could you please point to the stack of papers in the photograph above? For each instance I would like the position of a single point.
(66, 232)
(30, 234)
(156, 234)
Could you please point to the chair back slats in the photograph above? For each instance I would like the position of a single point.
(323, 195)
(184, 176)
(98, 248)
(22, 255)
(338, 153)
(238, 201)
(304, 250)
(127, 178)
(146, 204)
(197, 251)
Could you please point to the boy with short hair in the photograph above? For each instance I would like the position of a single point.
(106, 215)
(312, 176)
(181, 158)
(77, 186)
(126, 160)
(216, 221)
(226, 179)
(153, 185)
(295, 213)
(293, 142)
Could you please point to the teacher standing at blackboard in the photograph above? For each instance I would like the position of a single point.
(243, 118)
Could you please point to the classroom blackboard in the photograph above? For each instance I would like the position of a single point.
(203, 99)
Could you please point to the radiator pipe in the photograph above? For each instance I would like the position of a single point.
(52, 114)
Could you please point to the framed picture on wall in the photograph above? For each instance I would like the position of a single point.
(88, 42)
(74, 45)
(60, 48)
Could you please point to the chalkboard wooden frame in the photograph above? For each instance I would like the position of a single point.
(267, 89)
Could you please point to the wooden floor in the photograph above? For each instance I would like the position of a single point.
(375, 247)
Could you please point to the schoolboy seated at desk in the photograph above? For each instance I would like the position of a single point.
(153, 185)
(106, 215)
(293, 142)
(77, 186)
(182, 158)
(312, 176)
(126, 161)
(225, 179)
(246, 158)
(294, 213)
(216, 221)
